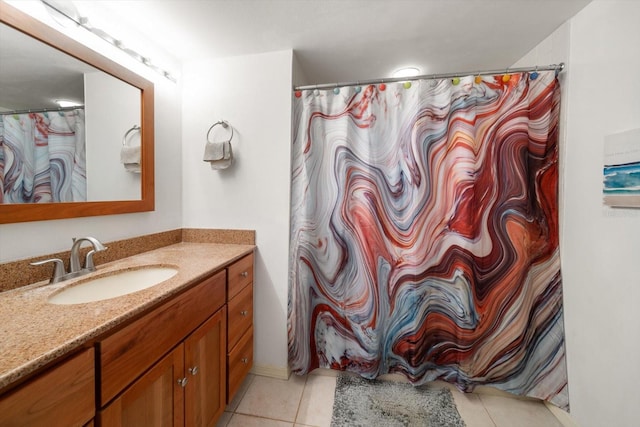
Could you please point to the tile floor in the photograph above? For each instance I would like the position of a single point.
(308, 401)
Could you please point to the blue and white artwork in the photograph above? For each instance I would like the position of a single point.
(622, 169)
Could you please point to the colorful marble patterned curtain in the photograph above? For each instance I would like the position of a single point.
(424, 233)
(42, 157)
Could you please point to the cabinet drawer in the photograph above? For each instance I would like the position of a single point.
(128, 353)
(240, 275)
(240, 316)
(62, 396)
(239, 363)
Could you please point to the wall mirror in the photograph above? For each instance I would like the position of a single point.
(115, 108)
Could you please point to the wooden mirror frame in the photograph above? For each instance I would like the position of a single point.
(11, 213)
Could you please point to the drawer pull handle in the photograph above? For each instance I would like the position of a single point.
(244, 274)
(194, 370)
(183, 381)
(244, 313)
(244, 360)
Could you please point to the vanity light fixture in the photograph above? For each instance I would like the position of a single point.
(66, 9)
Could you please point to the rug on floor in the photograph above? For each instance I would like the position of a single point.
(373, 403)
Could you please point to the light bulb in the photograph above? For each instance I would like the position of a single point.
(406, 72)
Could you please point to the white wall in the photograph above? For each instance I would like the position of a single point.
(299, 76)
(111, 107)
(24, 240)
(599, 246)
(253, 93)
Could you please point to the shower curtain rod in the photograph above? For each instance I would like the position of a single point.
(557, 67)
(41, 110)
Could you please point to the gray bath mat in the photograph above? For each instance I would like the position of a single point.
(372, 403)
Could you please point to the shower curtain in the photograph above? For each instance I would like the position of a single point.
(424, 233)
(42, 157)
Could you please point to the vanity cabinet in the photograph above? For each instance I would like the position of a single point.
(177, 364)
(62, 396)
(168, 367)
(239, 323)
(186, 387)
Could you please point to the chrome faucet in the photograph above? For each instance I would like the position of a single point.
(74, 259)
(75, 270)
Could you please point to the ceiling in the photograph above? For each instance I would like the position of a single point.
(350, 40)
(334, 40)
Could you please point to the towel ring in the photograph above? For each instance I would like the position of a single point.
(133, 129)
(224, 125)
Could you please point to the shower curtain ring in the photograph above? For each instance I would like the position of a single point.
(534, 75)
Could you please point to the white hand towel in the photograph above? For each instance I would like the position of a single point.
(218, 154)
(130, 158)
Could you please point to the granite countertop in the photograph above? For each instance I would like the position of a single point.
(36, 333)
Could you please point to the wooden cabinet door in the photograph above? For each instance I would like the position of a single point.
(205, 369)
(155, 399)
(61, 396)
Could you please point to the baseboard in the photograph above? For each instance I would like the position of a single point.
(279, 372)
(482, 389)
(562, 416)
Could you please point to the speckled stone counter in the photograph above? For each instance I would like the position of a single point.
(35, 333)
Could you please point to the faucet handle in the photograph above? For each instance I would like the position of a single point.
(88, 261)
(58, 268)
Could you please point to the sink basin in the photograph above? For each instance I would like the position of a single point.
(113, 285)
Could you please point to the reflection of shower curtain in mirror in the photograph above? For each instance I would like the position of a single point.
(424, 233)
(42, 157)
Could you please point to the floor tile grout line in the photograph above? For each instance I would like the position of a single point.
(262, 417)
(487, 411)
(246, 389)
(295, 418)
(228, 421)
